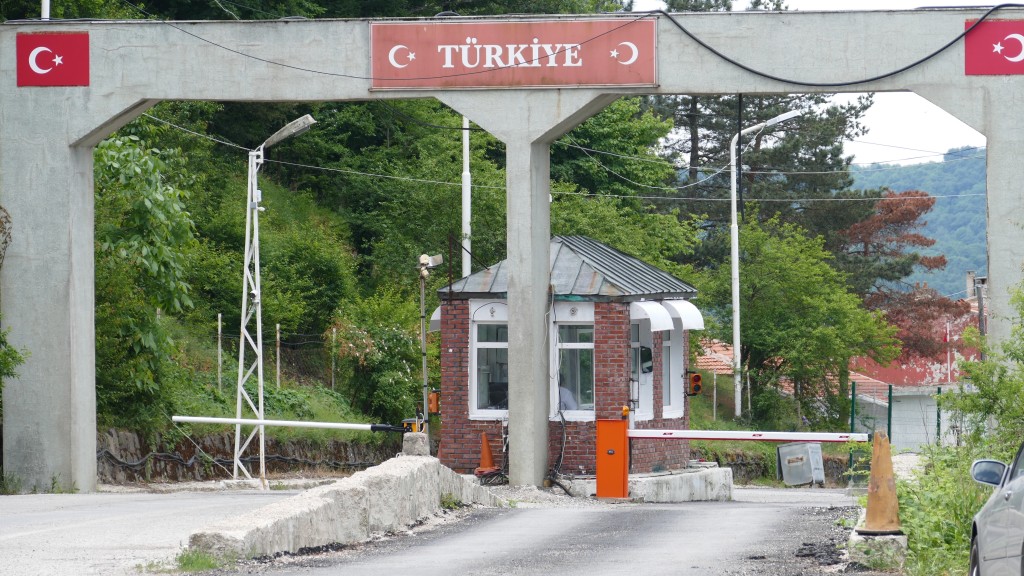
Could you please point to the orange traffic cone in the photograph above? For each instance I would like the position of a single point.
(883, 513)
(486, 459)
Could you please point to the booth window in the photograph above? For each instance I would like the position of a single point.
(491, 367)
(575, 367)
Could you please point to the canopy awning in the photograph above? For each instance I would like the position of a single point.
(685, 311)
(658, 315)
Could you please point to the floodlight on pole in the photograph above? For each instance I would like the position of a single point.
(293, 128)
(252, 309)
(424, 264)
(734, 241)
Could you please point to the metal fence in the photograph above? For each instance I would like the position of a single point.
(909, 415)
(305, 358)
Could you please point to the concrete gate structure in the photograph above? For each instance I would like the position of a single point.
(46, 178)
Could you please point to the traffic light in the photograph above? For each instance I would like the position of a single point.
(693, 384)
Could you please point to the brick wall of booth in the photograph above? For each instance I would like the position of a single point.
(461, 438)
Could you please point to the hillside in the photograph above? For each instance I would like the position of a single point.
(957, 222)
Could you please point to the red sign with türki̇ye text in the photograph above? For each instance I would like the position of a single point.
(994, 47)
(617, 52)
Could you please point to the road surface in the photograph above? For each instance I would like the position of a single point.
(764, 532)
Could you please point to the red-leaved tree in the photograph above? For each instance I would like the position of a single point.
(881, 252)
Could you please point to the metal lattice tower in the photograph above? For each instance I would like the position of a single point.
(252, 341)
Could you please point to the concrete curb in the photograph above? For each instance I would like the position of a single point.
(885, 552)
(687, 485)
(385, 498)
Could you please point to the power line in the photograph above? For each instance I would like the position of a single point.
(140, 10)
(643, 15)
(875, 78)
(194, 133)
(483, 186)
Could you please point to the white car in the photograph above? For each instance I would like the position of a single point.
(997, 542)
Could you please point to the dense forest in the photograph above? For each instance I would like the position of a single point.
(956, 222)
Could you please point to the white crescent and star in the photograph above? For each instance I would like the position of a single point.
(34, 57)
(394, 52)
(1020, 55)
(631, 59)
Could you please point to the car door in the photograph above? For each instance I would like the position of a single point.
(1012, 492)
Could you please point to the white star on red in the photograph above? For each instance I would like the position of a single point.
(412, 56)
(997, 47)
(58, 60)
(615, 53)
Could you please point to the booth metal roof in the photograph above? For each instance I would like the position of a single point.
(581, 268)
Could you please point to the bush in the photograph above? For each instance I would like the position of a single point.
(936, 509)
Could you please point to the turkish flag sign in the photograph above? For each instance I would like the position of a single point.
(994, 47)
(53, 59)
(606, 52)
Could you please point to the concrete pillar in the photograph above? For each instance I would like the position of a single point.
(527, 173)
(994, 110)
(528, 122)
(49, 424)
(1005, 181)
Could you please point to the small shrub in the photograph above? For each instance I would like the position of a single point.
(450, 502)
(197, 561)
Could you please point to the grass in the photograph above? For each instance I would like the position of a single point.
(9, 484)
(198, 561)
(195, 392)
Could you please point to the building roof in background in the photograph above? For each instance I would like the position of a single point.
(716, 356)
(582, 268)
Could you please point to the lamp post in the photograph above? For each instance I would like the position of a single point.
(467, 204)
(734, 234)
(251, 301)
(425, 264)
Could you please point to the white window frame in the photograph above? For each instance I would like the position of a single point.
(673, 375)
(570, 314)
(484, 312)
(642, 387)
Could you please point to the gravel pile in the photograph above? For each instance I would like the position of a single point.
(534, 497)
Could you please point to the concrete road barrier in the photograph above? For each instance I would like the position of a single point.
(385, 498)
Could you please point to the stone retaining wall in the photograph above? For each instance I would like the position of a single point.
(122, 456)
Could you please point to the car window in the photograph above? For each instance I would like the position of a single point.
(1018, 466)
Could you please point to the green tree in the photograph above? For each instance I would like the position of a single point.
(997, 382)
(142, 234)
(795, 169)
(614, 152)
(800, 322)
(658, 239)
(379, 355)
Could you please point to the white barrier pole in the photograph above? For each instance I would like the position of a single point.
(748, 435)
(284, 423)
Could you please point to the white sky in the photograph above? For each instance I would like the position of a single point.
(903, 128)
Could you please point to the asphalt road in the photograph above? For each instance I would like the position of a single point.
(763, 532)
(112, 534)
(771, 532)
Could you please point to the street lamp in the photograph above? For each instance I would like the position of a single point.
(251, 301)
(424, 265)
(734, 234)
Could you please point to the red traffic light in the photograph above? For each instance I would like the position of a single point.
(694, 384)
